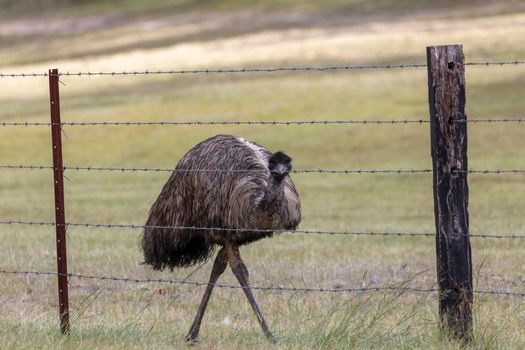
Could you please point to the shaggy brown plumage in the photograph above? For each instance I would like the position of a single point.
(217, 199)
(260, 196)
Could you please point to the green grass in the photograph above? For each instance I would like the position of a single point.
(146, 315)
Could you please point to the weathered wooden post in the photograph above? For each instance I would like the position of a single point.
(60, 220)
(446, 93)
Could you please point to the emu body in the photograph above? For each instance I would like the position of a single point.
(223, 182)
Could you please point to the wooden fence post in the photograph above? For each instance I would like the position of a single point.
(446, 92)
(60, 218)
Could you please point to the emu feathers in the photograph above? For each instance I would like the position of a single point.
(263, 197)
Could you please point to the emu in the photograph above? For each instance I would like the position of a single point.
(243, 186)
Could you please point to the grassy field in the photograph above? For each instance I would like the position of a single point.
(181, 36)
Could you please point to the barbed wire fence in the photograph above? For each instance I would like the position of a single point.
(248, 70)
(293, 171)
(59, 170)
(286, 123)
(254, 230)
(401, 288)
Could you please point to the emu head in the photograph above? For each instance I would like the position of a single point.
(280, 166)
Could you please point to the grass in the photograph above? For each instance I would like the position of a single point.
(116, 315)
(137, 7)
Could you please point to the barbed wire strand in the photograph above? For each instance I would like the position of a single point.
(252, 70)
(23, 75)
(491, 171)
(495, 63)
(272, 288)
(222, 229)
(219, 70)
(296, 171)
(218, 229)
(280, 123)
(218, 285)
(244, 122)
(490, 120)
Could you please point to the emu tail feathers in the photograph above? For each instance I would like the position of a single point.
(174, 248)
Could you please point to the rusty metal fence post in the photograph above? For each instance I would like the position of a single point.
(446, 90)
(60, 221)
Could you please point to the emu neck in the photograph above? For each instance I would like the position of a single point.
(273, 196)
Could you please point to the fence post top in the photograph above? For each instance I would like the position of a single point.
(441, 46)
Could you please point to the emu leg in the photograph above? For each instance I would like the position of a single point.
(221, 261)
(241, 272)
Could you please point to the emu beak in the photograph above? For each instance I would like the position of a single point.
(281, 169)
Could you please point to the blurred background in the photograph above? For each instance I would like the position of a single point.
(132, 35)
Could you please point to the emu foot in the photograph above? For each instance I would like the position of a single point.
(192, 337)
(270, 337)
